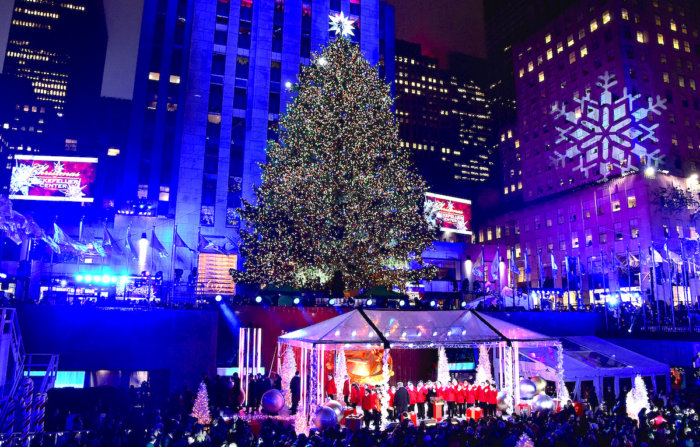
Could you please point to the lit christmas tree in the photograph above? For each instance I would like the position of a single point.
(637, 398)
(483, 369)
(443, 368)
(341, 372)
(289, 367)
(339, 195)
(200, 410)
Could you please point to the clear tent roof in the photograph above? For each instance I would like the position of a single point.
(409, 329)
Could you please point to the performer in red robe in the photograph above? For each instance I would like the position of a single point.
(346, 392)
(460, 396)
(450, 398)
(492, 399)
(331, 390)
(421, 397)
(470, 399)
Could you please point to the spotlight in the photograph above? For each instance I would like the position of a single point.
(331, 301)
(79, 278)
(113, 279)
(64, 283)
(88, 278)
(322, 61)
(432, 303)
(124, 279)
(296, 300)
(649, 171)
(258, 299)
(370, 302)
(106, 278)
(402, 303)
(464, 304)
(97, 279)
(218, 298)
(288, 85)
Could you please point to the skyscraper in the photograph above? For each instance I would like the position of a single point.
(212, 79)
(445, 118)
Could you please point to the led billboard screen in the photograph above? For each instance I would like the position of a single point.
(53, 178)
(450, 213)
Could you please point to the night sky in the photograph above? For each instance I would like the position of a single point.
(440, 26)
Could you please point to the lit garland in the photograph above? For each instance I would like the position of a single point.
(289, 367)
(562, 390)
(338, 192)
(341, 372)
(386, 374)
(483, 369)
(313, 382)
(510, 388)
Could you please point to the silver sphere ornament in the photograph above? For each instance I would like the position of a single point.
(325, 418)
(335, 406)
(540, 384)
(528, 389)
(542, 402)
(272, 401)
(501, 403)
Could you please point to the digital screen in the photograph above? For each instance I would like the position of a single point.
(53, 178)
(450, 213)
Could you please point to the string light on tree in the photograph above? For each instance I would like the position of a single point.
(340, 199)
(200, 410)
(289, 367)
(483, 369)
(443, 367)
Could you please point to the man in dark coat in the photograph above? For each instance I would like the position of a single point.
(401, 399)
(295, 389)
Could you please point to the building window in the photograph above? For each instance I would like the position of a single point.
(560, 47)
(615, 202)
(686, 46)
(641, 37)
(660, 38)
(540, 76)
(589, 237)
(570, 40)
(617, 226)
(594, 25)
(681, 81)
(549, 221)
(550, 53)
(673, 25)
(634, 228)
(562, 242)
(631, 200)
(676, 44)
(666, 77)
(547, 38)
(584, 51)
(572, 57)
(603, 237)
(606, 17)
(489, 234)
(498, 232)
(574, 239)
(624, 14)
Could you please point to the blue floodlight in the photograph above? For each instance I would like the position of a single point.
(105, 279)
(464, 304)
(296, 300)
(88, 278)
(370, 302)
(97, 279)
(331, 301)
(218, 298)
(113, 279)
(64, 283)
(402, 303)
(258, 299)
(79, 278)
(433, 303)
(123, 279)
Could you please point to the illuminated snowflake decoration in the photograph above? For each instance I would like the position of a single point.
(24, 176)
(606, 135)
(58, 167)
(342, 25)
(74, 191)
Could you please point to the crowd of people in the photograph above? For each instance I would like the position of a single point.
(143, 420)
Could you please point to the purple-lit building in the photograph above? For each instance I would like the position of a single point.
(608, 113)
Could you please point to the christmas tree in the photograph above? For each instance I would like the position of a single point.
(341, 372)
(200, 410)
(637, 398)
(289, 367)
(483, 369)
(443, 368)
(339, 196)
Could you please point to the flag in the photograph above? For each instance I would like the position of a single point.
(496, 265)
(655, 257)
(109, 241)
(156, 245)
(528, 269)
(555, 267)
(130, 245)
(581, 266)
(540, 267)
(177, 240)
(478, 269)
(513, 266)
(204, 245)
(61, 238)
(51, 243)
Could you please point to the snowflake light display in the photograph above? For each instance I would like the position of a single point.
(607, 134)
(24, 176)
(342, 25)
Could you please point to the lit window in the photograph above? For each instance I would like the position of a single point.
(657, 20)
(584, 51)
(640, 37)
(673, 25)
(581, 33)
(540, 76)
(570, 40)
(624, 14)
(174, 79)
(691, 82)
(686, 46)
(550, 54)
(113, 152)
(666, 78)
(572, 57)
(615, 202)
(606, 17)
(681, 81)
(530, 66)
(153, 76)
(560, 47)
(660, 38)
(594, 25)
(547, 38)
(517, 144)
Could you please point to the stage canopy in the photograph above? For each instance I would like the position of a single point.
(367, 328)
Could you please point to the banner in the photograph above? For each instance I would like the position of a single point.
(50, 178)
(450, 213)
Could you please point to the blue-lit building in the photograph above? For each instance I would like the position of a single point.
(210, 87)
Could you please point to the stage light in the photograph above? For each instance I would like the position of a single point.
(402, 303)
(464, 304)
(64, 283)
(258, 299)
(218, 298)
(370, 302)
(113, 279)
(79, 278)
(88, 278)
(296, 300)
(432, 303)
(649, 171)
(288, 85)
(97, 279)
(123, 279)
(106, 278)
(331, 301)
(143, 250)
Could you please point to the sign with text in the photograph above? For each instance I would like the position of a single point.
(450, 213)
(53, 178)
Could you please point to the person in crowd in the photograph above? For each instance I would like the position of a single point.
(355, 395)
(295, 390)
(368, 404)
(412, 396)
(460, 396)
(421, 397)
(402, 399)
(235, 392)
(331, 389)
(492, 399)
(346, 391)
(430, 396)
(450, 399)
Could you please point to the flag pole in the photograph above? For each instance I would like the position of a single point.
(654, 279)
(580, 284)
(498, 275)
(568, 279)
(172, 255)
(614, 261)
(670, 281)
(153, 258)
(605, 294)
(641, 292)
(685, 282)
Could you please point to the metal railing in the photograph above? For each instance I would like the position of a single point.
(9, 325)
(45, 363)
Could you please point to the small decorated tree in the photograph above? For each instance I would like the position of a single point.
(443, 368)
(200, 410)
(341, 372)
(289, 367)
(483, 368)
(637, 398)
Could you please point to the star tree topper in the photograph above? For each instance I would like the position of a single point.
(341, 24)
